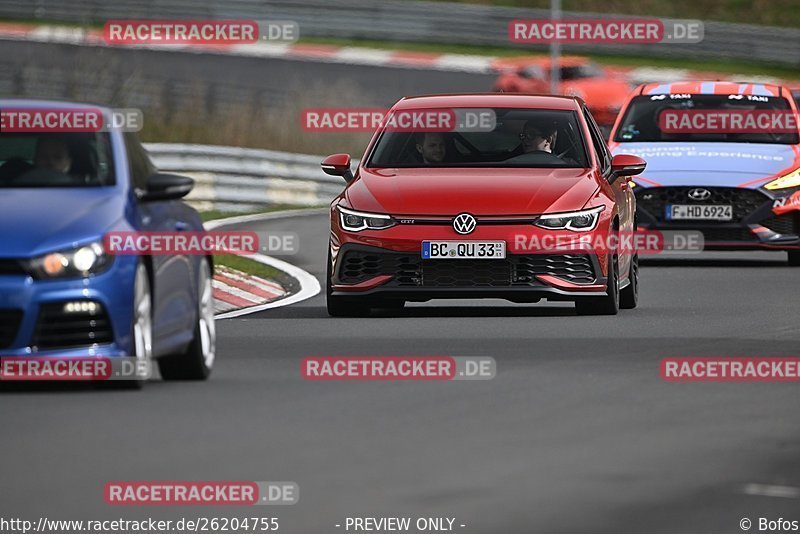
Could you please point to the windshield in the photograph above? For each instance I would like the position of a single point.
(55, 160)
(532, 138)
(640, 123)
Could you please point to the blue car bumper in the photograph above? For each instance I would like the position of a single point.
(38, 321)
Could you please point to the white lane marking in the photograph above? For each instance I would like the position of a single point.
(309, 285)
(363, 56)
(235, 291)
(769, 490)
(266, 285)
(480, 64)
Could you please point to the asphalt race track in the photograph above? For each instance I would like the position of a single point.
(576, 434)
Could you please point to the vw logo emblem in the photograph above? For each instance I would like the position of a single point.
(464, 223)
(699, 194)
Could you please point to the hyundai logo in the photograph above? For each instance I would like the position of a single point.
(464, 223)
(699, 194)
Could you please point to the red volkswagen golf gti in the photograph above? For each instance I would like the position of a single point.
(518, 208)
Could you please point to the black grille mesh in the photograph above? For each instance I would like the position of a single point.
(57, 329)
(9, 324)
(412, 271)
(654, 200)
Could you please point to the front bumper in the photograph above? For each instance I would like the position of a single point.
(388, 263)
(755, 224)
(36, 323)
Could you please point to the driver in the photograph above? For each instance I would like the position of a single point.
(432, 148)
(538, 136)
(52, 153)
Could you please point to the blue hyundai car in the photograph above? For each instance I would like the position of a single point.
(740, 188)
(62, 294)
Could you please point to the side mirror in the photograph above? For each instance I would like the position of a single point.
(626, 165)
(338, 165)
(166, 187)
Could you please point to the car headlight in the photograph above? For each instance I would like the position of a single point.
(784, 182)
(77, 262)
(579, 221)
(355, 221)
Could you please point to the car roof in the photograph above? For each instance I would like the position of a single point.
(48, 104)
(491, 100)
(711, 88)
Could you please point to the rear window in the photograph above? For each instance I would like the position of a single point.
(55, 160)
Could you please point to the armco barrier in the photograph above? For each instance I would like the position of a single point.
(398, 20)
(243, 179)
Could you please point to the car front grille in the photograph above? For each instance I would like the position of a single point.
(11, 267)
(9, 325)
(410, 270)
(56, 328)
(744, 202)
(782, 224)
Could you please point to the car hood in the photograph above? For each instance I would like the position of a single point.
(711, 164)
(507, 191)
(41, 220)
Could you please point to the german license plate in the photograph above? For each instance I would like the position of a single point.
(699, 212)
(463, 250)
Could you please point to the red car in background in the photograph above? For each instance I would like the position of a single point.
(603, 89)
(452, 215)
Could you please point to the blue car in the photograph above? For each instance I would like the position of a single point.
(741, 189)
(61, 293)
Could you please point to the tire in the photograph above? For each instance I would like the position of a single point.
(198, 360)
(794, 258)
(629, 297)
(141, 328)
(607, 304)
(343, 306)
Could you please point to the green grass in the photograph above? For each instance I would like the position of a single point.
(248, 266)
(211, 215)
(714, 65)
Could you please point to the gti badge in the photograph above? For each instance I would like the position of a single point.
(464, 223)
(699, 194)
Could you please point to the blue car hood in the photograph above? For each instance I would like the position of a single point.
(710, 164)
(35, 221)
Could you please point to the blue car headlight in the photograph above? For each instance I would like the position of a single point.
(73, 263)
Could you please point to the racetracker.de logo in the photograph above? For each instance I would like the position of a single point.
(75, 368)
(198, 32)
(605, 31)
(227, 493)
(406, 120)
(181, 243)
(437, 368)
(689, 121)
(180, 31)
(69, 120)
(727, 369)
